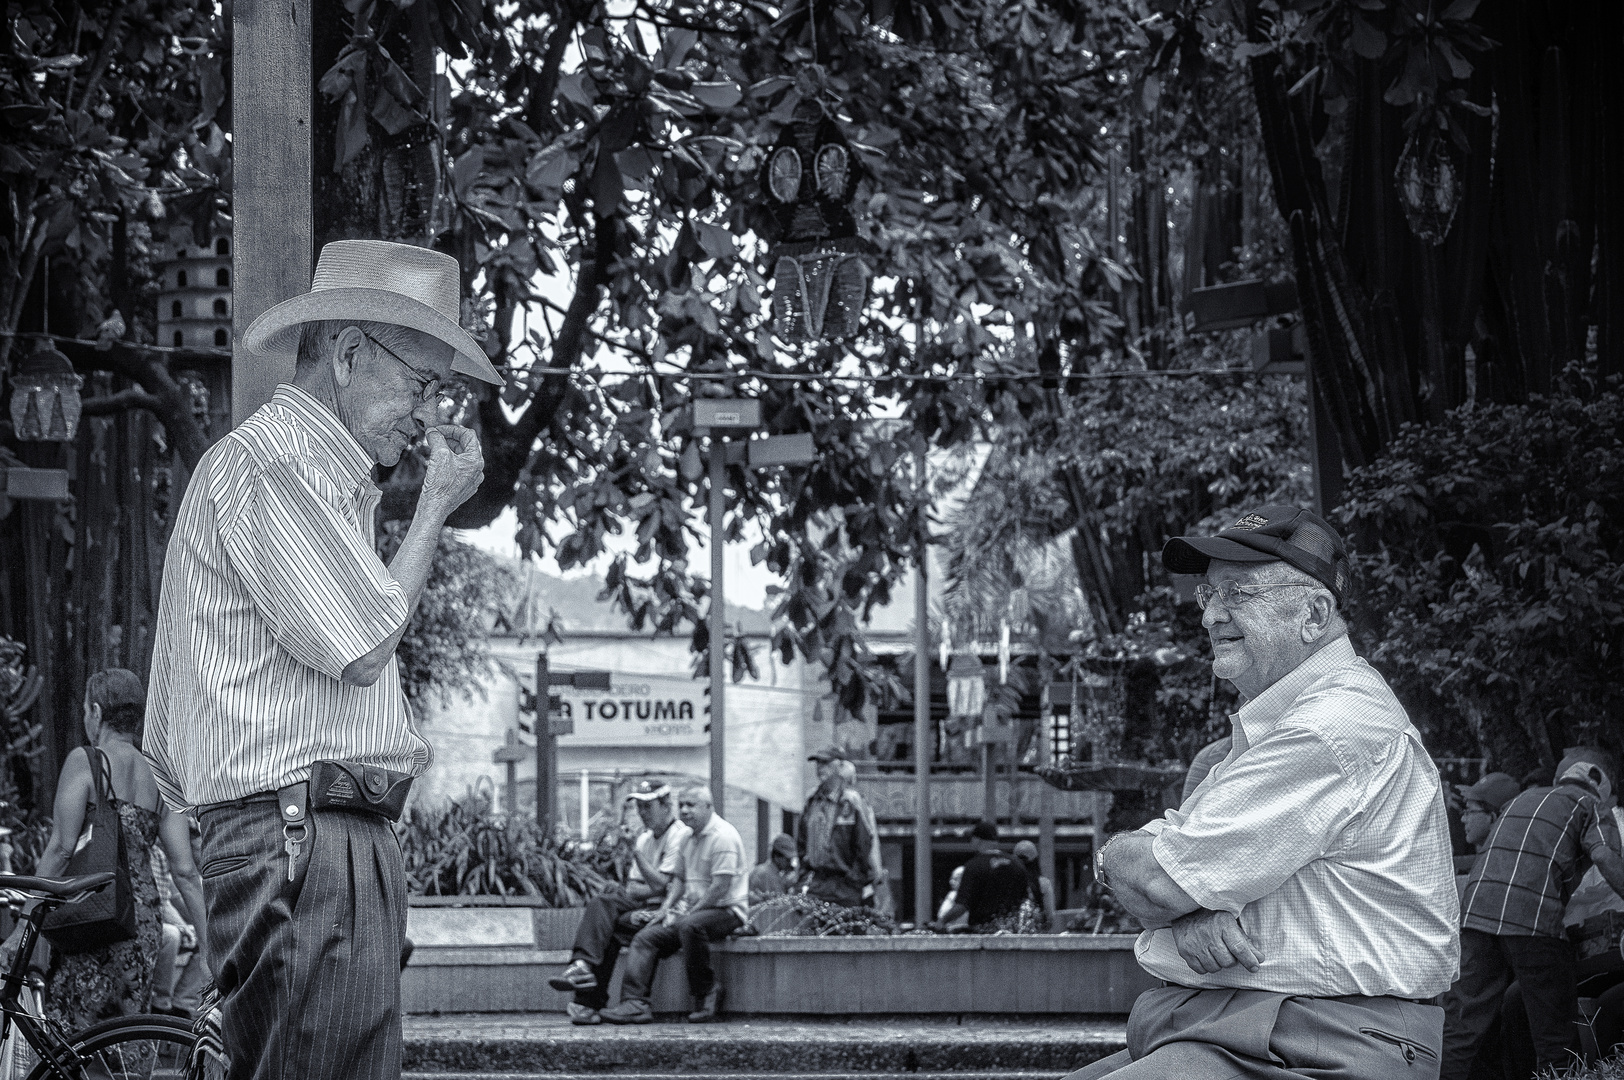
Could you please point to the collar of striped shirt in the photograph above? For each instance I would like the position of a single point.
(1259, 716)
(325, 427)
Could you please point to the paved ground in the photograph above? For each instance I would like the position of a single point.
(448, 1047)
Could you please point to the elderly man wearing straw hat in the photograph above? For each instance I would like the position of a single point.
(275, 711)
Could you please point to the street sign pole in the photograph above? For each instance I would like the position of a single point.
(718, 629)
(924, 740)
(546, 749)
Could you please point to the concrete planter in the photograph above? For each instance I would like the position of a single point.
(490, 922)
(1002, 975)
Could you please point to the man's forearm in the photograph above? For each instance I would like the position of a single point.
(651, 873)
(410, 568)
(1141, 886)
(714, 896)
(1611, 865)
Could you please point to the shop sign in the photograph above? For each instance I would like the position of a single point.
(636, 710)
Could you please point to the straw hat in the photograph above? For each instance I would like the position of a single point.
(376, 281)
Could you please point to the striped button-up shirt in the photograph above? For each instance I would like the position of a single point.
(1324, 831)
(271, 588)
(1521, 883)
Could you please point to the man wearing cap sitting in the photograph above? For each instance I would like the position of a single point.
(1299, 906)
(993, 887)
(1481, 807)
(274, 659)
(613, 917)
(776, 875)
(836, 836)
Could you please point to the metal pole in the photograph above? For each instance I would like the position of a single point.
(586, 799)
(718, 629)
(546, 749)
(924, 739)
(989, 779)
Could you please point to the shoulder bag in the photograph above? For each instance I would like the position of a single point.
(107, 916)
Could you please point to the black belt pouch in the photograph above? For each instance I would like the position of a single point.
(349, 785)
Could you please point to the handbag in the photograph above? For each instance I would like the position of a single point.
(106, 916)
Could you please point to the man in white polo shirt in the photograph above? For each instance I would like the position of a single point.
(1300, 906)
(705, 902)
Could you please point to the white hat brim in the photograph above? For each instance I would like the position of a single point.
(276, 332)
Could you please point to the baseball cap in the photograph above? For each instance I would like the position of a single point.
(1494, 790)
(1278, 531)
(648, 792)
(1026, 851)
(784, 844)
(985, 830)
(828, 753)
(112, 687)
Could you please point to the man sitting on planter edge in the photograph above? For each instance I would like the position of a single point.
(704, 902)
(1300, 906)
(615, 915)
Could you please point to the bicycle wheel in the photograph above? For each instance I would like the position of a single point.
(130, 1048)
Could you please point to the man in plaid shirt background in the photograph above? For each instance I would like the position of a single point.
(1511, 927)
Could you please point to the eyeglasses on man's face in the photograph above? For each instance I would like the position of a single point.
(1234, 595)
(428, 386)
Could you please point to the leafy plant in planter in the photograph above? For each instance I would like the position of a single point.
(466, 850)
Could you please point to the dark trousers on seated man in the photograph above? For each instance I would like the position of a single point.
(1177, 1032)
(692, 935)
(308, 964)
(605, 929)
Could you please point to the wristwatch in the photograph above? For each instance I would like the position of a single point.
(1100, 875)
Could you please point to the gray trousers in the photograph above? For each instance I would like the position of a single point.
(309, 968)
(1174, 1031)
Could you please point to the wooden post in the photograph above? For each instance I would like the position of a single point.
(989, 783)
(924, 739)
(271, 204)
(510, 754)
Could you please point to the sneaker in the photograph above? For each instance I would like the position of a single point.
(710, 1009)
(582, 1015)
(628, 1012)
(578, 976)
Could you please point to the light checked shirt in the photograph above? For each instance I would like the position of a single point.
(271, 588)
(664, 852)
(1324, 831)
(715, 849)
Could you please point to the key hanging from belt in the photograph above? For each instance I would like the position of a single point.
(294, 803)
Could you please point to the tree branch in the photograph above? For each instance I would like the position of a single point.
(171, 401)
(121, 402)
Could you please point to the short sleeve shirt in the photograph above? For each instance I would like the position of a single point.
(664, 851)
(1535, 856)
(993, 886)
(715, 849)
(1324, 831)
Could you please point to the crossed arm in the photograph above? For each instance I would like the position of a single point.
(1207, 940)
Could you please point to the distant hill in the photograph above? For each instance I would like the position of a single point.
(576, 601)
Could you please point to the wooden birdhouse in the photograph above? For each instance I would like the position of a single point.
(194, 301)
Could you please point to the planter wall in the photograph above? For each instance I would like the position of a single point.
(1008, 974)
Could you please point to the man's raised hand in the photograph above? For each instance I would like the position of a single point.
(1210, 941)
(456, 467)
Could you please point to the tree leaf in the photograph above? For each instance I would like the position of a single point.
(720, 96)
(1367, 41)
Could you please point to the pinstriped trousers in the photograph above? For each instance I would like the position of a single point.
(309, 969)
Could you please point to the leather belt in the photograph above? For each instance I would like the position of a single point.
(273, 797)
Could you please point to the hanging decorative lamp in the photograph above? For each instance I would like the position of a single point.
(1428, 181)
(967, 687)
(45, 403)
(820, 276)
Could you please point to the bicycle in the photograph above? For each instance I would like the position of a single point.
(141, 1047)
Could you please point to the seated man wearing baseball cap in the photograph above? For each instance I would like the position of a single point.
(1299, 906)
(614, 916)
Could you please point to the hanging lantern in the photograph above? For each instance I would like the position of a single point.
(820, 276)
(1429, 187)
(966, 687)
(45, 397)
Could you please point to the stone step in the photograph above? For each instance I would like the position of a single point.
(725, 1075)
(523, 1045)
